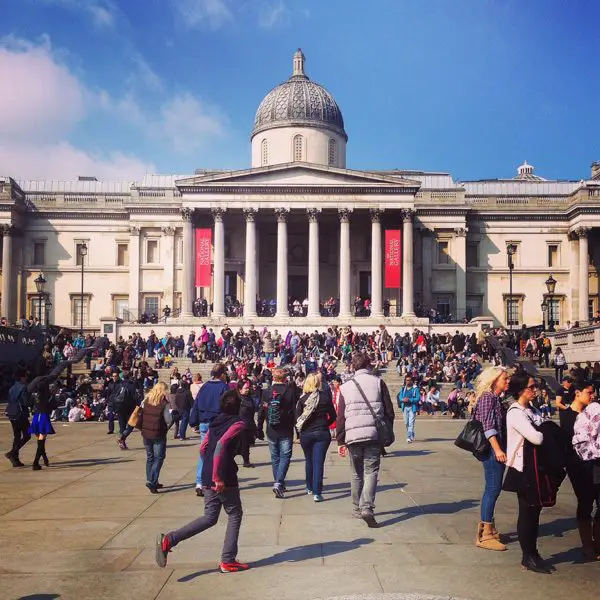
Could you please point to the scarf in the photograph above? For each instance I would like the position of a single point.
(309, 408)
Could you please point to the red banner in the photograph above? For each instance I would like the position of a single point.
(393, 258)
(203, 257)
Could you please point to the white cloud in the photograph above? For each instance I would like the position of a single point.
(274, 14)
(102, 12)
(195, 13)
(145, 74)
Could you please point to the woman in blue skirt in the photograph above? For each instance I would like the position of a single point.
(41, 426)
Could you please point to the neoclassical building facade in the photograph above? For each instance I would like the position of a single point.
(298, 224)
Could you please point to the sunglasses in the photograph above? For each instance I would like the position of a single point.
(532, 387)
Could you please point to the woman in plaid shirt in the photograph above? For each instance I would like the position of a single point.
(490, 412)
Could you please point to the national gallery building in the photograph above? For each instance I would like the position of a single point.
(299, 226)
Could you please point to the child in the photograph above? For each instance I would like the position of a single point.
(220, 484)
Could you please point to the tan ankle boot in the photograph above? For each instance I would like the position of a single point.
(479, 532)
(487, 541)
(495, 532)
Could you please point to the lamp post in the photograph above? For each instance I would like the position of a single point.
(544, 310)
(40, 284)
(550, 286)
(511, 250)
(83, 250)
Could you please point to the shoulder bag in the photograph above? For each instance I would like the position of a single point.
(385, 430)
(472, 439)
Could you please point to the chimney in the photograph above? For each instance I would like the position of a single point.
(596, 170)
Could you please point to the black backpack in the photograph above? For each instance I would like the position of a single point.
(121, 398)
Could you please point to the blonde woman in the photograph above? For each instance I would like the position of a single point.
(156, 419)
(315, 414)
(490, 412)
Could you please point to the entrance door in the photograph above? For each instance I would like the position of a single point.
(298, 287)
(364, 284)
(231, 285)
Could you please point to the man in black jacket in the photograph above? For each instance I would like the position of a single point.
(123, 405)
(183, 402)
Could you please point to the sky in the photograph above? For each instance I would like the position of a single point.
(119, 88)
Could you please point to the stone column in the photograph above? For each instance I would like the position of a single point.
(7, 272)
(134, 272)
(344, 214)
(407, 264)
(168, 261)
(584, 274)
(460, 258)
(189, 244)
(376, 264)
(427, 264)
(219, 264)
(282, 262)
(313, 262)
(251, 264)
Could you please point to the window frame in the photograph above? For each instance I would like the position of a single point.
(122, 243)
(41, 263)
(86, 259)
(518, 299)
(298, 144)
(146, 251)
(332, 152)
(476, 246)
(438, 254)
(548, 256)
(264, 152)
(148, 296)
(75, 301)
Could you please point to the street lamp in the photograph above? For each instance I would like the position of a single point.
(511, 250)
(544, 309)
(550, 286)
(40, 284)
(83, 250)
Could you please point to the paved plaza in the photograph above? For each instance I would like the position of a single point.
(85, 528)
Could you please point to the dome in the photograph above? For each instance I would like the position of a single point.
(299, 102)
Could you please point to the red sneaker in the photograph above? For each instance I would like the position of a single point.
(163, 547)
(233, 567)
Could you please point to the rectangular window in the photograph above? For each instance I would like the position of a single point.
(472, 255)
(121, 307)
(35, 309)
(78, 256)
(554, 311)
(152, 252)
(553, 255)
(474, 307)
(39, 253)
(512, 311)
(443, 306)
(151, 305)
(443, 256)
(591, 309)
(122, 255)
(76, 309)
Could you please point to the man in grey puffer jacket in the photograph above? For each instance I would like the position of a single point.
(357, 433)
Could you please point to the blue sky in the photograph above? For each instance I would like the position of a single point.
(116, 88)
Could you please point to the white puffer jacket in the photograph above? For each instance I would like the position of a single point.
(360, 424)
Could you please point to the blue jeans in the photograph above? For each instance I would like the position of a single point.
(315, 445)
(203, 432)
(281, 455)
(185, 418)
(409, 421)
(156, 451)
(493, 472)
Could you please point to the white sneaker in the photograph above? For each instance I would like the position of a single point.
(408, 441)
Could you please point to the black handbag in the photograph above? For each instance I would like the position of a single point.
(472, 439)
(385, 430)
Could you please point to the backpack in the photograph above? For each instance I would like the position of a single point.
(121, 398)
(274, 410)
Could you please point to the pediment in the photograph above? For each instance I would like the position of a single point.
(295, 174)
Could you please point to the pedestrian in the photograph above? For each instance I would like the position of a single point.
(183, 404)
(520, 420)
(220, 484)
(17, 411)
(247, 412)
(560, 363)
(155, 421)
(41, 426)
(581, 473)
(357, 433)
(175, 417)
(112, 387)
(279, 402)
(206, 407)
(408, 402)
(315, 414)
(489, 410)
(123, 404)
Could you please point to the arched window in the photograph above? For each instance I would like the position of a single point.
(332, 152)
(298, 148)
(264, 152)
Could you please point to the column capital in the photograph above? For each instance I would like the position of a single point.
(313, 214)
(408, 214)
(168, 230)
(460, 231)
(250, 213)
(582, 232)
(187, 214)
(134, 230)
(218, 213)
(8, 229)
(282, 214)
(344, 214)
(375, 214)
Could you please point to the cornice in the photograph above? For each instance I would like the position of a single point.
(154, 210)
(441, 212)
(80, 215)
(302, 189)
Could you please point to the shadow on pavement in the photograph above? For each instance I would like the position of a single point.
(90, 462)
(39, 597)
(297, 554)
(410, 453)
(439, 508)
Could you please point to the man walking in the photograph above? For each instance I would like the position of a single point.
(206, 407)
(408, 402)
(279, 403)
(361, 398)
(17, 411)
(123, 405)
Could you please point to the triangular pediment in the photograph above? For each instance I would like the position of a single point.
(295, 174)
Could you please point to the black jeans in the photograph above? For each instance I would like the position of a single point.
(528, 524)
(582, 479)
(21, 434)
(230, 500)
(124, 428)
